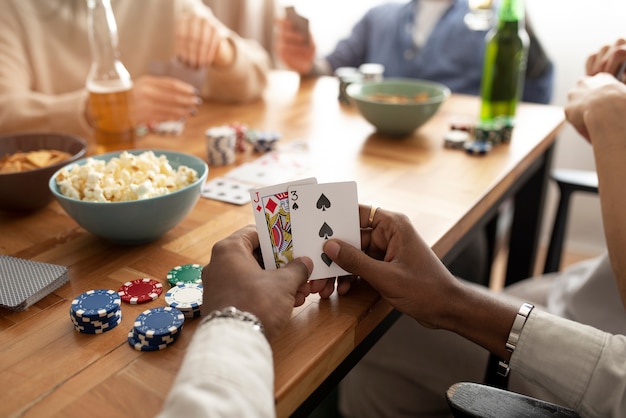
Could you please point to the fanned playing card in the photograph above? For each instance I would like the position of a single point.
(270, 206)
(320, 212)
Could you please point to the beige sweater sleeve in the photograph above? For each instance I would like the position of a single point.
(581, 365)
(45, 58)
(227, 372)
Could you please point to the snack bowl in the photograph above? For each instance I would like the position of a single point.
(28, 190)
(397, 106)
(134, 222)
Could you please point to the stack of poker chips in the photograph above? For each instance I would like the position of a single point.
(140, 291)
(187, 298)
(156, 329)
(241, 140)
(185, 273)
(221, 141)
(263, 141)
(96, 311)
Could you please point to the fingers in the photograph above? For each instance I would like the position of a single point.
(198, 41)
(158, 98)
(352, 259)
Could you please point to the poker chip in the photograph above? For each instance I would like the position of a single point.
(99, 303)
(263, 141)
(477, 147)
(187, 298)
(186, 273)
(140, 291)
(221, 145)
(158, 322)
(241, 141)
(155, 329)
(96, 311)
(456, 139)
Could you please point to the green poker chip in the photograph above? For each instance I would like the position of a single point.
(186, 273)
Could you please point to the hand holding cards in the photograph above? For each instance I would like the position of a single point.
(295, 219)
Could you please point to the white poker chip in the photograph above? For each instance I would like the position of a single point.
(187, 296)
(456, 139)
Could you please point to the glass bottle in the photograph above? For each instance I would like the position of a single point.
(504, 67)
(109, 83)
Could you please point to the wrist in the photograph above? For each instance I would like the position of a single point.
(233, 313)
(514, 334)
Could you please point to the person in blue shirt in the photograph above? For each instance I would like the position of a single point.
(425, 39)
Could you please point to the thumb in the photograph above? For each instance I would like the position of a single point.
(353, 260)
(296, 272)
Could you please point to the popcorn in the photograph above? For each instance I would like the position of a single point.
(124, 178)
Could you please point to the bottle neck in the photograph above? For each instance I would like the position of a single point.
(512, 11)
(103, 37)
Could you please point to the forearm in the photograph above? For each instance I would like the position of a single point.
(607, 126)
(31, 111)
(481, 318)
(227, 371)
(245, 79)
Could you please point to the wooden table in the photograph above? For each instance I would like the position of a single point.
(48, 369)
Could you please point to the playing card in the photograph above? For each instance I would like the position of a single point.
(227, 190)
(319, 212)
(270, 206)
(300, 23)
(273, 168)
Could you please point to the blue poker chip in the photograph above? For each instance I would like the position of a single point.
(94, 304)
(139, 346)
(477, 147)
(155, 340)
(89, 329)
(158, 322)
(103, 322)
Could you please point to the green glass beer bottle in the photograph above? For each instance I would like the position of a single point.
(504, 69)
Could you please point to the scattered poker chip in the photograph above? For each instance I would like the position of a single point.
(97, 303)
(158, 322)
(456, 139)
(186, 273)
(96, 311)
(241, 142)
(140, 291)
(187, 298)
(477, 147)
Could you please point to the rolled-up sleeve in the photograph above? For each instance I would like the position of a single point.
(581, 365)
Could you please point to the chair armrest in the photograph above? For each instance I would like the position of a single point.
(576, 180)
(476, 400)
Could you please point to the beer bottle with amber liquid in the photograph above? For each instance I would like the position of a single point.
(504, 69)
(109, 83)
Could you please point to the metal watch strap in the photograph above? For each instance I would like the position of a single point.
(234, 313)
(516, 330)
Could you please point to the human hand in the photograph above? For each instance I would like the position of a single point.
(399, 265)
(594, 100)
(294, 49)
(200, 43)
(608, 59)
(159, 98)
(234, 277)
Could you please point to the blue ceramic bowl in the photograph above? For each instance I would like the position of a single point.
(138, 221)
(395, 118)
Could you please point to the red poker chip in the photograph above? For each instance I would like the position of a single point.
(140, 291)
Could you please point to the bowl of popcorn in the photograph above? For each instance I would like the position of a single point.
(397, 106)
(130, 197)
(27, 160)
